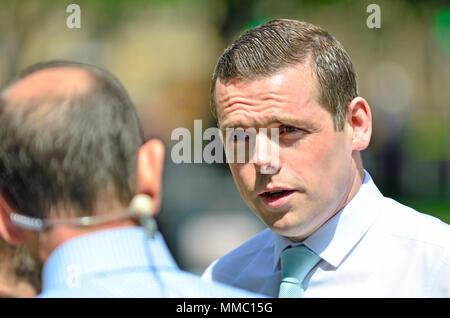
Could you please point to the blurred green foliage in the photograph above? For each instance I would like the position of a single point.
(441, 29)
(437, 208)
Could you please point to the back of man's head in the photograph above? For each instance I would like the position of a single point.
(69, 140)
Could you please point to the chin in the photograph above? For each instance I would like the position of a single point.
(288, 230)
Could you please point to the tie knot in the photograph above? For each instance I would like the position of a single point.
(290, 280)
(297, 262)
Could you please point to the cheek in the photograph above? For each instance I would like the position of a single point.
(339, 152)
(319, 160)
(333, 161)
(244, 176)
(330, 153)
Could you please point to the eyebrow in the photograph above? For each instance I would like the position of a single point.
(289, 121)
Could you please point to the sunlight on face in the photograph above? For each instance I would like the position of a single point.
(315, 170)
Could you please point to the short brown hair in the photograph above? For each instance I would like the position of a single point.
(266, 49)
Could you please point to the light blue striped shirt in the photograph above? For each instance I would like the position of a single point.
(123, 262)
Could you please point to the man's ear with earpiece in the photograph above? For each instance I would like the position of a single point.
(150, 166)
(8, 231)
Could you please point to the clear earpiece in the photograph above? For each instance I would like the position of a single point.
(142, 206)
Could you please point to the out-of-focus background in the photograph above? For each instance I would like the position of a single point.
(164, 51)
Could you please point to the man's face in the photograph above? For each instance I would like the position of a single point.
(315, 169)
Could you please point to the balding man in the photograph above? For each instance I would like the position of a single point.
(72, 158)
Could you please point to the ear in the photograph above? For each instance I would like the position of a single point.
(8, 231)
(150, 163)
(360, 122)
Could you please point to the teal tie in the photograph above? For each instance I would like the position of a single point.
(296, 263)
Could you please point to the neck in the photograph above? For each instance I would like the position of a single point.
(357, 178)
(58, 235)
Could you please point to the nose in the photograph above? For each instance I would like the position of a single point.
(266, 154)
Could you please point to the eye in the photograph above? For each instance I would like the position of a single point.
(289, 129)
(292, 133)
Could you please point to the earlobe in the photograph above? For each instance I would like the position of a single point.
(360, 120)
(8, 231)
(150, 163)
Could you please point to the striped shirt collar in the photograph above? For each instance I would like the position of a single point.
(104, 251)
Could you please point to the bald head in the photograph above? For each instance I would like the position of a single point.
(45, 83)
(46, 93)
(70, 136)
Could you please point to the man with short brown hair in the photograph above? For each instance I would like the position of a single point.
(331, 233)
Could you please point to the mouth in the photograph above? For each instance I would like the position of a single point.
(276, 198)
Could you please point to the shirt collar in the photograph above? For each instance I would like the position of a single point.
(104, 251)
(334, 239)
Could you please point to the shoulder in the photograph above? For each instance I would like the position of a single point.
(419, 243)
(189, 285)
(405, 223)
(169, 284)
(75, 293)
(259, 249)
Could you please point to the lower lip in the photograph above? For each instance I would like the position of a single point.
(279, 201)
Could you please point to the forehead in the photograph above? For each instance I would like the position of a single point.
(286, 94)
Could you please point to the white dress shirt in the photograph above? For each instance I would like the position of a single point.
(373, 247)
